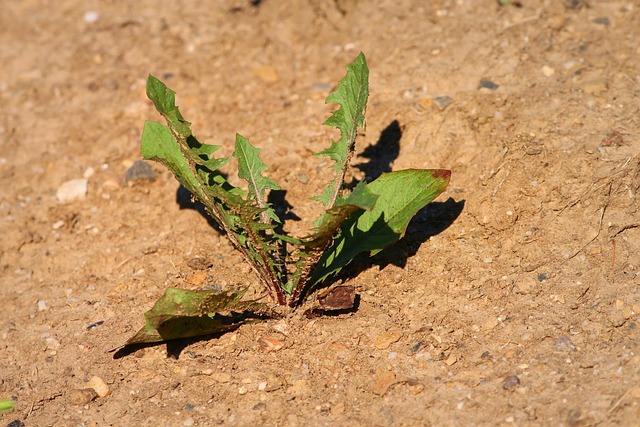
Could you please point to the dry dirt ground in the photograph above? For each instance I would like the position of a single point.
(513, 300)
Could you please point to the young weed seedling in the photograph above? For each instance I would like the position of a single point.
(366, 219)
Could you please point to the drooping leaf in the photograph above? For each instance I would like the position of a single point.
(181, 313)
(250, 168)
(351, 95)
(401, 195)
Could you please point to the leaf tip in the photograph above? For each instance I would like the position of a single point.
(444, 174)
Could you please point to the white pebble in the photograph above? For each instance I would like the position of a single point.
(90, 16)
(42, 305)
(188, 422)
(58, 225)
(393, 355)
(73, 189)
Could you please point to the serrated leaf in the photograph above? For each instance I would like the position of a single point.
(351, 95)
(182, 313)
(164, 100)
(401, 195)
(250, 168)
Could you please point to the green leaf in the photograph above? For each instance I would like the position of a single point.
(401, 195)
(250, 168)
(158, 145)
(351, 95)
(181, 313)
(331, 221)
(164, 100)
(7, 405)
(312, 247)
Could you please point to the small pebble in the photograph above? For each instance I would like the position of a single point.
(188, 422)
(58, 225)
(487, 84)
(269, 344)
(511, 382)
(602, 20)
(72, 190)
(384, 340)
(383, 382)
(548, 71)
(139, 171)
(303, 178)
(442, 102)
(98, 384)
(42, 305)
(90, 16)
(564, 343)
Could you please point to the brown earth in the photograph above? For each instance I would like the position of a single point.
(513, 300)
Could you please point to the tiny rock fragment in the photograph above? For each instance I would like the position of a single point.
(383, 383)
(511, 382)
(266, 73)
(139, 171)
(564, 343)
(72, 190)
(81, 396)
(198, 279)
(42, 305)
(547, 71)
(425, 103)
(442, 102)
(282, 327)
(90, 16)
(100, 387)
(451, 360)
(487, 85)
(384, 340)
(269, 344)
(602, 20)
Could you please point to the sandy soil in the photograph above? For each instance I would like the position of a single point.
(514, 299)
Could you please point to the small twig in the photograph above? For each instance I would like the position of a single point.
(624, 228)
(618, 402)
